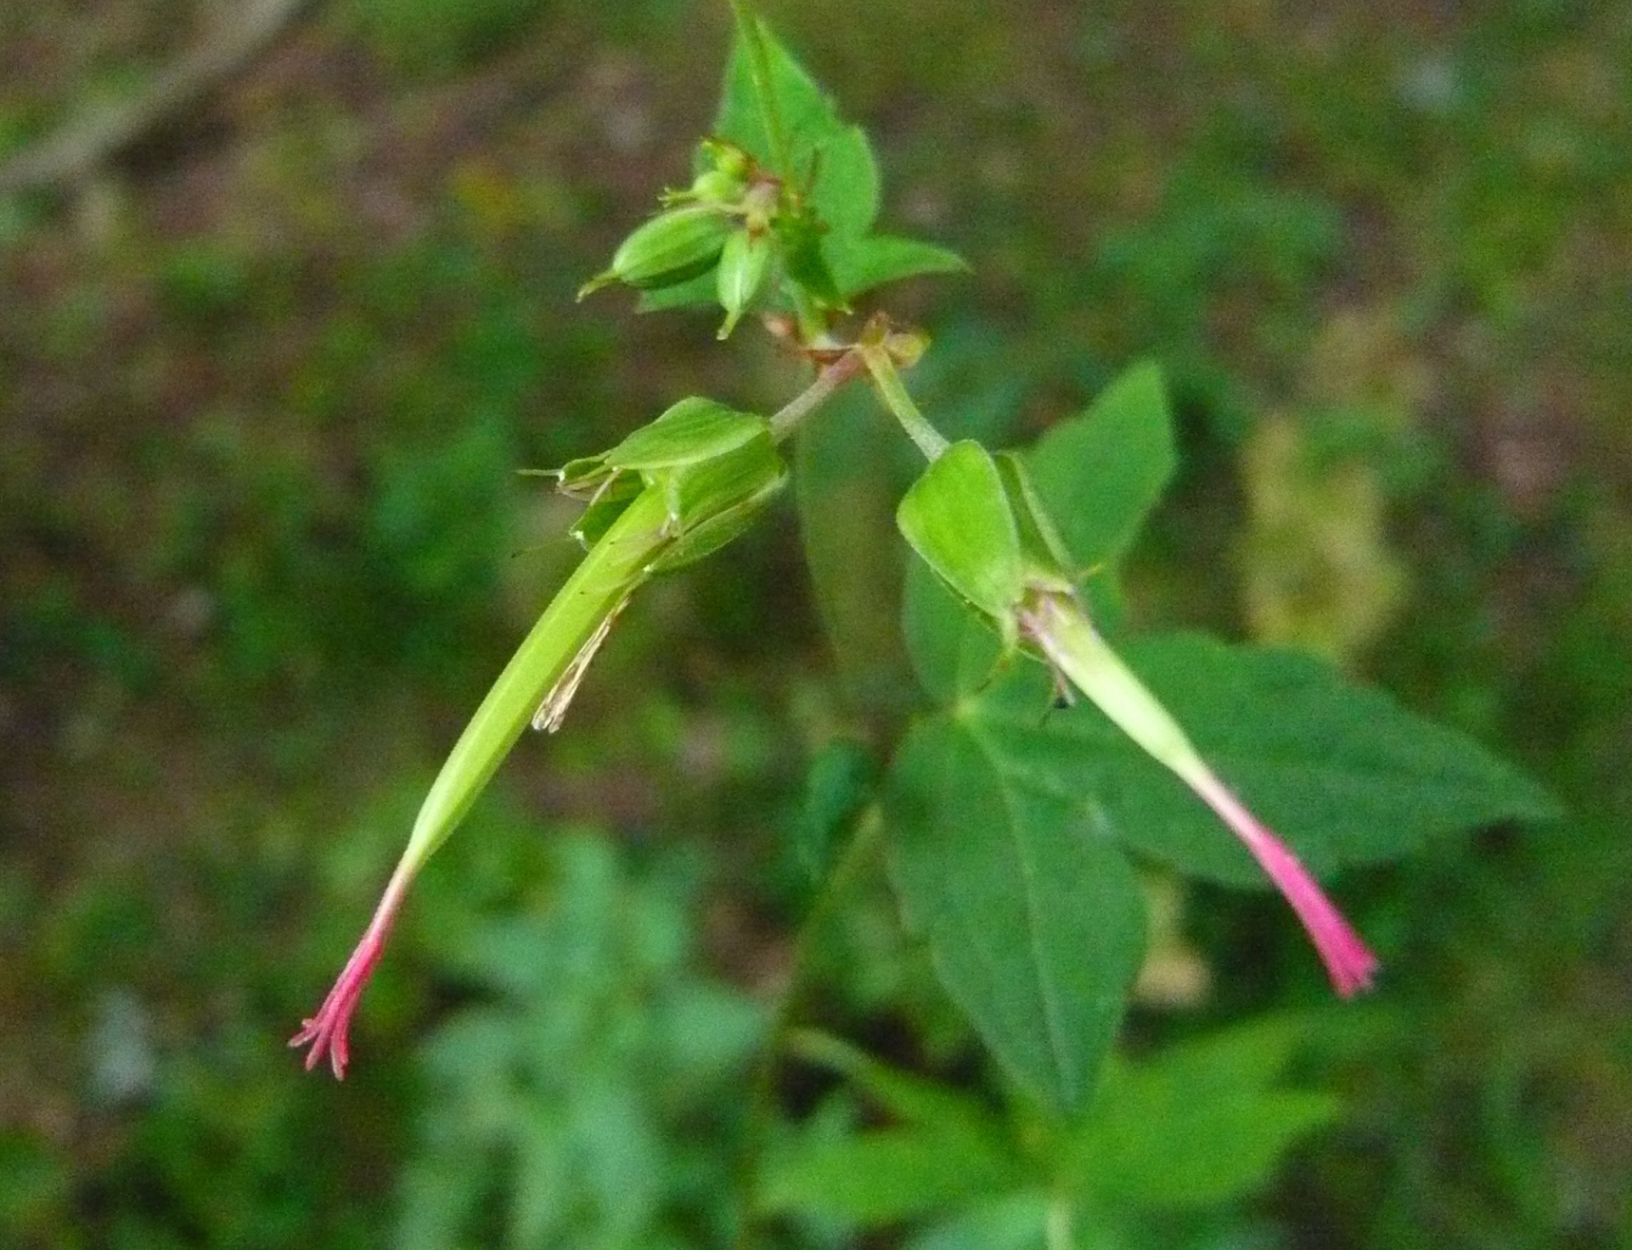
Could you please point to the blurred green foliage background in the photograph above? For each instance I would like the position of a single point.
(263, 385)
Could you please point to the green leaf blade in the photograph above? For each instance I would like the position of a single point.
(1101, 473)
(863, 264)
(957, 518)
(1032, 915)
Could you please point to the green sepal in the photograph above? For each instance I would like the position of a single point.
(958, 518)
(670, 248)
(715, 500)
(691, 431)
(1047, 562)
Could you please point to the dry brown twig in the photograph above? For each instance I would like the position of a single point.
(86, 142)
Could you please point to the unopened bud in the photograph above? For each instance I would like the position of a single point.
(670, 248)
(745, 266)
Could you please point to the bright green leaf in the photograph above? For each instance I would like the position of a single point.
(1033, 916)
(690, 431)
(1199, 1124)
(861, 264)
(1102, 472)
(846, 188)
(957, 518)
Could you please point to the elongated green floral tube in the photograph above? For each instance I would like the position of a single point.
(686, 510)
(608, 574)
(1058, 626)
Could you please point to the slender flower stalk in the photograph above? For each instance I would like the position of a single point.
(1060, 629)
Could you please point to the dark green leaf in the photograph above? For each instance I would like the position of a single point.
(913, 1099)
(953, 651)
(698, 292)
(839, 784)
(1032, 915)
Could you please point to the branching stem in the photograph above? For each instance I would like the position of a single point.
(829, 380)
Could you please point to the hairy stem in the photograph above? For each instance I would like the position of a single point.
(759, 69)
(762, 1098)
(828, 381)
(894, 394)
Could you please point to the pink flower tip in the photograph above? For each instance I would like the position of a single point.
(327, 1031)
(1349, 962)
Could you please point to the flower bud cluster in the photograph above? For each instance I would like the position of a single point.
(727, 222)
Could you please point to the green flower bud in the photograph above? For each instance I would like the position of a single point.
(728, 158)
(673, 246)
(745, 267)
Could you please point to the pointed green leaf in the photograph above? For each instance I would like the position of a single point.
(1198, 1124)
(838, 786)
(1033, 916)
(861, 264)
(889, 1175)
(953, 650)
(1100, 473)
(846, 189)
(910, 1098)
(698, 292)
(957, 518)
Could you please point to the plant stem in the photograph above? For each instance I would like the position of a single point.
(759, 69)
(762, 1098)
(894, 394)
(829, 380)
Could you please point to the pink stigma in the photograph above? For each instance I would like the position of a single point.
(1349, 962)
(326, 1032)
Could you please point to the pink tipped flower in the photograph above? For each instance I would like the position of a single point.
(1074, 648)
(326, 1032)
(1349, 962)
